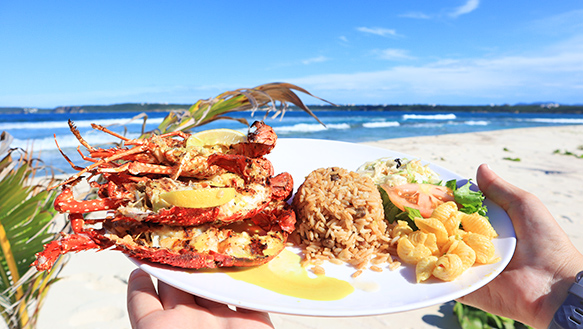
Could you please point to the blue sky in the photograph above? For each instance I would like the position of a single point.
(55, 53)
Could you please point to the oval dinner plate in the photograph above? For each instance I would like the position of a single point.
(394, 291)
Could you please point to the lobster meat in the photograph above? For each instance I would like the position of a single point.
(131, 182)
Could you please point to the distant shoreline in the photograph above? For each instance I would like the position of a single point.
(153, 107)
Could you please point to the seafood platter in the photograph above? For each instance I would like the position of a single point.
(295, 226)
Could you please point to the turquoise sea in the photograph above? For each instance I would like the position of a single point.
(37, 129)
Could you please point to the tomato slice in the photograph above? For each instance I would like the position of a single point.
(423, 197)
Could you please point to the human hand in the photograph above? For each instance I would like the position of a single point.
(544, 265)
(173, 308)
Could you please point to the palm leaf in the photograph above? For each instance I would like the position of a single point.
(26, 216)
(261, 97)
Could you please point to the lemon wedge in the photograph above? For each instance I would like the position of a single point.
(199, 198)
(220, 136)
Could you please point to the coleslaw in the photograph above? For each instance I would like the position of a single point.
(399, 171)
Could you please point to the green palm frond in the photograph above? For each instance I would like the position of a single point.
(26, 216)
(261, 97)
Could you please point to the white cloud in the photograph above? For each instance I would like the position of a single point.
(378, 31)
(466, 8)
(312, 60)
(417, 15)
(553, 75)
(561, 24)
(392, 54)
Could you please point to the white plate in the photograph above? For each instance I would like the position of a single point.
(396, 290)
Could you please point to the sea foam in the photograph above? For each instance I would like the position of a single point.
(557, 121)
(307, 127)
(449, 116)
(381, 124)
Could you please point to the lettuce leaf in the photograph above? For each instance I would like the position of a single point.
(393, 213)
(470, 201)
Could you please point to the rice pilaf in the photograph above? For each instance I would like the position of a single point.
(341, 219)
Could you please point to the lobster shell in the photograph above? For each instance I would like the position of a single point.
(248, 231)
(250, 242)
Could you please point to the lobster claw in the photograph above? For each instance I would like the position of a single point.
(282, 186)
(67, 243)
(260, 141)
(65, 203)
(251, 169)
(278, 215)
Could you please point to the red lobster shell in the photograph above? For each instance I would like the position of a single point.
(248, 231)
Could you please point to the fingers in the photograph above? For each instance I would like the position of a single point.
(224, 311)
(141, 297)
(172, 297)
(209, 304)
(145, 305)
(262, 317)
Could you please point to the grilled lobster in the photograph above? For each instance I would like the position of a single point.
(250, 229)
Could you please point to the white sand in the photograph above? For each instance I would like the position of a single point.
(91, 293)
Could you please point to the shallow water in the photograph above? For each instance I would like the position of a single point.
(351, 126)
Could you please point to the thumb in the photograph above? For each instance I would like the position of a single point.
(527, 212)
(497, 189)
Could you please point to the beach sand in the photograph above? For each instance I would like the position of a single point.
(91, 293)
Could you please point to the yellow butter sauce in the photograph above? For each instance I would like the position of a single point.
(286, 276)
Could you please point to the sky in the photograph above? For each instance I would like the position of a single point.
(451, 52)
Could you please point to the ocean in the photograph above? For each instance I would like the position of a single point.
(36, 130)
